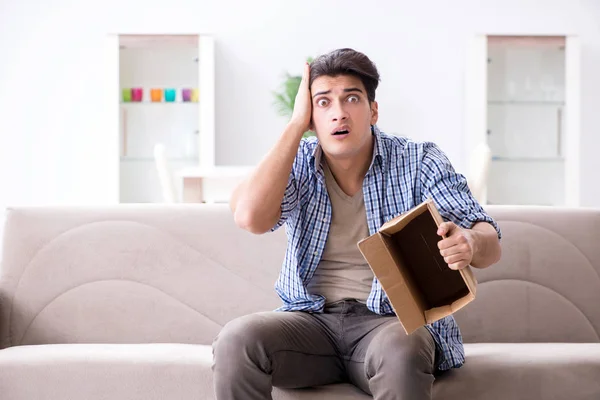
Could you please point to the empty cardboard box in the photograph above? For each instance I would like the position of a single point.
(405, 258)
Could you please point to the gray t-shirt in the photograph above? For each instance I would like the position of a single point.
(343, 272)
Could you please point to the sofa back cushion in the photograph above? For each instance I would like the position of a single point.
(178, 273)
(131, 274)
(546, 288)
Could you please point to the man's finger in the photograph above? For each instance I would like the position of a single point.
(455, 258)
(445, 244)
(458, 266)
(448, 242)
(444, 228)
(451, 249)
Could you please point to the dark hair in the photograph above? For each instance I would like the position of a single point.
(347, 62)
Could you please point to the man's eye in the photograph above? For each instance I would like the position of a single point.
(322, 102)
(353, 99)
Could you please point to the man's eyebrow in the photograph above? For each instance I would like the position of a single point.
(354, 89)
(347, 90)
(320, 93)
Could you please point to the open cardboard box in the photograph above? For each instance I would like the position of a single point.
(405, 258)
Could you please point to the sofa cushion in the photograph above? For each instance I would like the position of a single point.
(106, 372)
(124, 371)
(524, 371)
(531, 371)
(181, 371)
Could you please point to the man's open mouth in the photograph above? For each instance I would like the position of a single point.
(342, 132)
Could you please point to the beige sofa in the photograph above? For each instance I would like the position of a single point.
(123, 303)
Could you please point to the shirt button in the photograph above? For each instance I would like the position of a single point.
(324, 219)
(316, 253)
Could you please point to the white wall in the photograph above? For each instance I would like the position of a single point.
(53, 149)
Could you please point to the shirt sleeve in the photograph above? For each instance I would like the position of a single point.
(449, 191)
(289, 201)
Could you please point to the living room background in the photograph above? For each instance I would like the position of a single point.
(53, 149)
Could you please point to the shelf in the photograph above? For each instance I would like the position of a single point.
(151, 159)
(529, 159)
(526, 102)
(220, 171)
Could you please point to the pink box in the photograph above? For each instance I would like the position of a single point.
(137, 94)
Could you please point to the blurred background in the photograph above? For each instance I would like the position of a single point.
(130, 101)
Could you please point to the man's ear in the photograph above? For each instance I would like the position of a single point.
(374, 112)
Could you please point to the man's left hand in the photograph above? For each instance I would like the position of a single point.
(457, 247)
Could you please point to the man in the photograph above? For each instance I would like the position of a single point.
(336, 323)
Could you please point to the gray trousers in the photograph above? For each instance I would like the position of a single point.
(347, 343)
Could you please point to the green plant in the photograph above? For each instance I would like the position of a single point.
(286, 98)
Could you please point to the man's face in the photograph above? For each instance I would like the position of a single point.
(341, 115)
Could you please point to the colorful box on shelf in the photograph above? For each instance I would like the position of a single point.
(186, 95)
(131, 94)
(126, 95)
(170, 95)
(190, 94)
(137, 94)
(156, 95)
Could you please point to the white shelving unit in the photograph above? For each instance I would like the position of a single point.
(521, 101)
(185, 127)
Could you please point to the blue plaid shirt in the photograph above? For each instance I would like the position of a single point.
(402, 174)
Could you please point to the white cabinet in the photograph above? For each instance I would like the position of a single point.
(175, 76)
(521, 93)
(526, 97)
(526, 129)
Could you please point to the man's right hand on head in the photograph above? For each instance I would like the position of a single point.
(302, 113)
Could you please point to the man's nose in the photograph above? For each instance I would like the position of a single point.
(338, 113)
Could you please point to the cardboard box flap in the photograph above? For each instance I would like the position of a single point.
(397, 224)
(469, 279)
(384, 263)
(438, 313)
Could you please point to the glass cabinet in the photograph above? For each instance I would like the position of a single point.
(518, 89)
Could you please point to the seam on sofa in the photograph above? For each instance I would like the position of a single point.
(553, 291)
(590, 264)
(54, 238)
(111, 280)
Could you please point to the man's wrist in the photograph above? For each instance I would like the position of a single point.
(296, 128)
(476, 244)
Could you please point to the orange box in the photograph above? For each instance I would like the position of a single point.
(156, 95)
